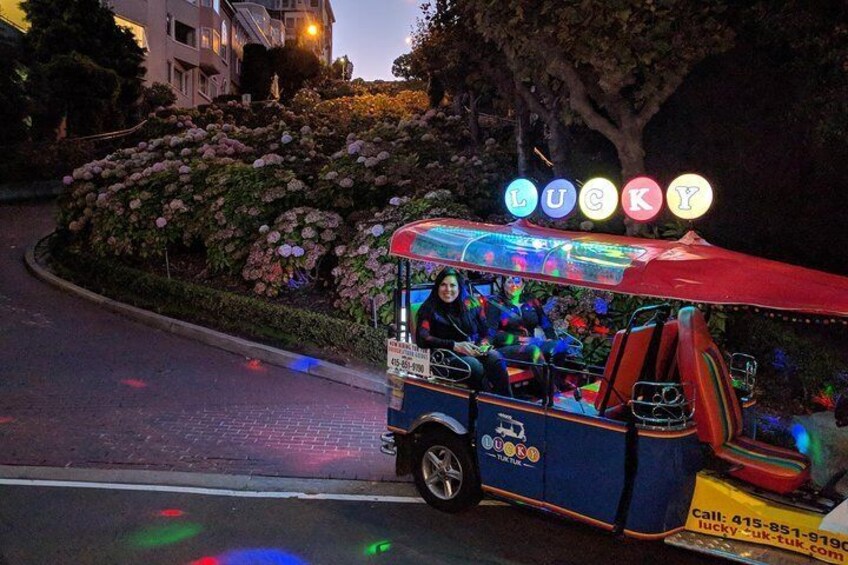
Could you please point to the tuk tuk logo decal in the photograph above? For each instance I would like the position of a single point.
(508, 445)
(510, 427)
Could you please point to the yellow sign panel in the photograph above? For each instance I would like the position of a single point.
(598, 199)
(719, 509)
(689, 196)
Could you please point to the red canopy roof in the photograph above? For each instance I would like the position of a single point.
(689, 269)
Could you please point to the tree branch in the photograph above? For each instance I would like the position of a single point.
(579, 100)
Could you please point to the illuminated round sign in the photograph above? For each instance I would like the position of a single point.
(559, 198)
(521, 198)
(641, 199)
(689, 196)
(598, 199)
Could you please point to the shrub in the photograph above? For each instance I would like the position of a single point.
(288, 252)
(365, 276)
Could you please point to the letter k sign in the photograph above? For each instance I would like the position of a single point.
(641, 199)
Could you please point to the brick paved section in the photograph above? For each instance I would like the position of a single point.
(86, 388)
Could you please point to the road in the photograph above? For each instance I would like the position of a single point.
(113, 526)
(83, 387)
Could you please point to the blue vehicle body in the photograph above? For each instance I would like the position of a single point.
(608, 473)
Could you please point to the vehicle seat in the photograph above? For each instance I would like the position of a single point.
(630, 367)
(719, 417)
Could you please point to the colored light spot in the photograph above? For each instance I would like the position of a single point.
(6, 419)
(254, 364)
(171, 513)
(158, 536)
(259, 556)
(134, 383)
(802, 438)
(304, 364)
(377, 548)
(489, 256)
(206, 561)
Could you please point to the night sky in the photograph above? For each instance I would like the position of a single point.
(371, 32)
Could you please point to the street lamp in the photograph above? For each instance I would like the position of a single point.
(312, 30)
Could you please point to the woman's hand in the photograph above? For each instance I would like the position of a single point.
(465, 348)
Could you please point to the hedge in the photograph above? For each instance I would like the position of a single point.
(277, 324)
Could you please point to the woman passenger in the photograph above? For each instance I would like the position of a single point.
(449, 319)
(513, 322)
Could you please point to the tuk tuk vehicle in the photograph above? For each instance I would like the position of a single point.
(652, 445)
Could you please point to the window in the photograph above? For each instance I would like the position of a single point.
(181, 80)
(225, 41)
(313, 3)
(185, 34)
(170, 72)
(204, 85)
(206, 38)
(290, 24)
(138, 31)
(217, 5)
(216, 42)
(169, 23)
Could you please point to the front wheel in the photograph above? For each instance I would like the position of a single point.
(444, 472)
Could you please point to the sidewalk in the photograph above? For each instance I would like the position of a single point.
(84, 387)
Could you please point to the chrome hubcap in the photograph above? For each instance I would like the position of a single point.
(442, 472)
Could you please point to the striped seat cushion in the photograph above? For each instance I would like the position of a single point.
(719, 417)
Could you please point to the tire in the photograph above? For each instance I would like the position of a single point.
(445, 472)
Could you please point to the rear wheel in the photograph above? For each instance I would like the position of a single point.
(445, 473)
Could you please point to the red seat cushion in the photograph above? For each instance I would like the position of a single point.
(719, 417)
(519, 375)
(630, 368)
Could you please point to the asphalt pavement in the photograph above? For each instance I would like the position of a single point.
(83, 387)
(127, 527)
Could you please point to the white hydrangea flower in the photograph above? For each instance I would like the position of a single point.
(378, 230)
(395, 201)
(586, 225)
(297, 251)
(286, 139)
(161, 222)
(346, 182)
(273, 237)
(284, 250)
(259, 163)
(263, 229)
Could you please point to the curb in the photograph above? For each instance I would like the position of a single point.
(251, 483)
(266, 353)
(11, 193)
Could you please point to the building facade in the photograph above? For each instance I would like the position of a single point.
(308, 23)
(197, 46)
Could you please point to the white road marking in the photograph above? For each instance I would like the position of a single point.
(221, 492)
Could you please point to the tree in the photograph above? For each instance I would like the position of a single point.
(256, 73)
(157, 95)
(342, 68)
(618, 61)
(89, 92)
(86, 28)
(294, 66)
(13, 101)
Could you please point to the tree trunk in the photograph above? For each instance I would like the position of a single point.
(522, 136)
(631, 155)
(474, 117)
(558, 145)
(457, 102)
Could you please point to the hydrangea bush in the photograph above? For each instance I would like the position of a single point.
(365, 276)
(287, 253)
